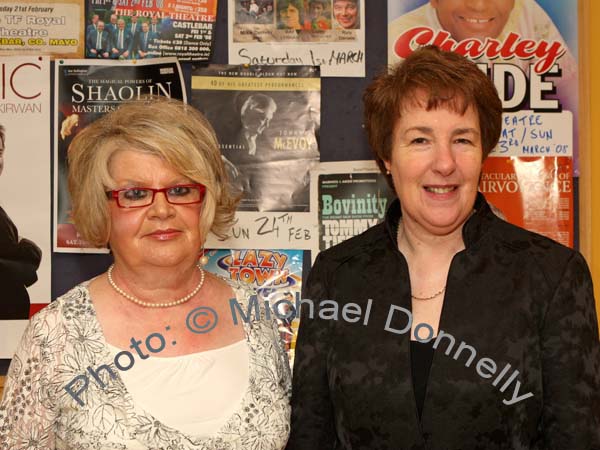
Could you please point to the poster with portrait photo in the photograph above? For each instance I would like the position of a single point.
(25, 248)
(267, 120)
(326, 33)
(132, 29)
(351, 196)
(274, 276)
(529, 48)
(86, 90)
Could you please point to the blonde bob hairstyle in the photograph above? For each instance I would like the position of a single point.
(168, 129)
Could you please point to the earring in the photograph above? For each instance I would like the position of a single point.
(203, 259)
(387, 172)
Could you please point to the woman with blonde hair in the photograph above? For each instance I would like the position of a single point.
(147, 355)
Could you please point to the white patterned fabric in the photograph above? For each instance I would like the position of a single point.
(65, 338)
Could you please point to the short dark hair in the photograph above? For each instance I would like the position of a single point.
(447, 79)
(298, 4)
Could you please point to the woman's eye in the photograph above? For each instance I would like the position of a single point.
(136, 194)
(179, 191)
(419, 140)
(464, 141)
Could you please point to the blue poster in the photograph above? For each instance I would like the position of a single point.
(276, 278)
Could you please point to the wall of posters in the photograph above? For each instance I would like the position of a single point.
(25, 250)
(531, 54)
(38, 27)
(275, 276)
(326, 33)
(267, 120)
(86, 90)
(352, 196)
(131, 29)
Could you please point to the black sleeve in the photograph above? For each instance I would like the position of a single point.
(312, 424)
(571, 363)
(30, 255)
(19, 259)
(30, 252)
(9, 236)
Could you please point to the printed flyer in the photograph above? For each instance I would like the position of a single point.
(352, 196)
(134, 29)
(85, 91)
(267, 120)
(38, 27)
(527, 47)
(25, 248)
(274, 276)
(326, 33)
(533, 193)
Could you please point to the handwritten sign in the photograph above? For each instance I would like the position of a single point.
(528, 133)
(290, 230)
(270, 36)
(331, 61)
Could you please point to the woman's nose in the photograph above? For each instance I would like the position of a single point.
(444, 162)
(161, 207)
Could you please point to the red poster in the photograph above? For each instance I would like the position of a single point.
(534, 193)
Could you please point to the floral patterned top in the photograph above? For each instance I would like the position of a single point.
(65, 339)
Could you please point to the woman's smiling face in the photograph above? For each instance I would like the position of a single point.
(479, 19)
(435, 165)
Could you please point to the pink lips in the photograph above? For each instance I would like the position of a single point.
(164, 235)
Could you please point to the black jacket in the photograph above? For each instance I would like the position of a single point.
(19, 260)
(514, 296)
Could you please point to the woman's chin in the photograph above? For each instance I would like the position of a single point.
(443, 223)
(167, 259)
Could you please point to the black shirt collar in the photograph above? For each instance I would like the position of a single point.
(475, 227)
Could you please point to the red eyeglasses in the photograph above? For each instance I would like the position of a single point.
(138, 197)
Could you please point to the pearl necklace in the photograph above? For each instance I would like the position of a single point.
(155, 305)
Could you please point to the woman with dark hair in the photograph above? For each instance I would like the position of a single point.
(290, 14)
(453, 328)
